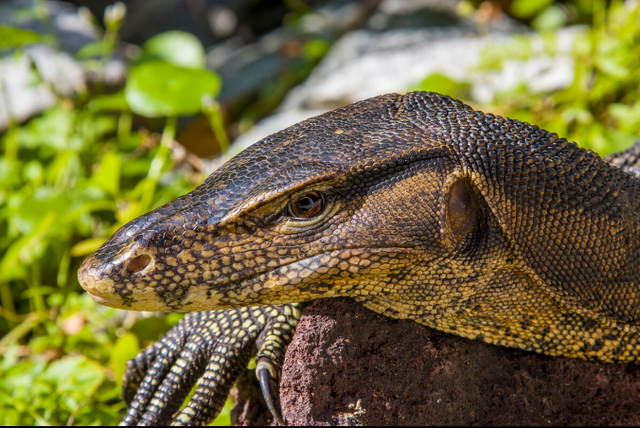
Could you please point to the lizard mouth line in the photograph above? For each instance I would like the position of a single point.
(105, 300)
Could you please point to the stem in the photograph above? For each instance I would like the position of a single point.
(9, 308)
(63, 269)
(158, 162)
(34, 284)
(214, 114)
(45, 17)
(20, 331)
(124, 126)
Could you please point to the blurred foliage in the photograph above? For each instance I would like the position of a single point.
(11, 37)
(69, 179)
(445, 85)
(601, 108)
(550, 15)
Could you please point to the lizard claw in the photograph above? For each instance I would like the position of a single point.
(268, 378)
(272, 344)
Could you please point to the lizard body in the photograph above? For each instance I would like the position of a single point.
(416, 206)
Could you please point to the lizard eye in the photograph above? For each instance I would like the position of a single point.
(306, 206)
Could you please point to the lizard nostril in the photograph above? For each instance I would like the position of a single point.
(138, 263)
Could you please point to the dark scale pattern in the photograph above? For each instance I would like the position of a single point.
(470, 223)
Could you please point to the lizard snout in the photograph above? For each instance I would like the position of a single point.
(121, 281)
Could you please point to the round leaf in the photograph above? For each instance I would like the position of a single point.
(158, 88)
(12, 37)
(176, 47)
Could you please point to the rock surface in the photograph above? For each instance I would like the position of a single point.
(349, 366)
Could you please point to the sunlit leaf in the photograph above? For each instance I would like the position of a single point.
(158, 88)
(125, 348)
(91, 50)
(108, 175)
(628, 117)
(612, 67)
(33, 171)
(446, 86)
(12, 37)
(176, 47)
(528, 8)
(224, 418)
(86, 247)
(551, 18)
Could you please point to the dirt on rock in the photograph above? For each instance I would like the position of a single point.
(350, 366)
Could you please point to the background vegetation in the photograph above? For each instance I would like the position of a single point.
(76, 173)
(601, 108)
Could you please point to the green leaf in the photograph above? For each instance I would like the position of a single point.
(173, 318)
(125, 348)
(445, 86)
(176, 47)
(108, 176)
(94, 49)
(86, 247)
(33, 171)
(528, 8)
(613, 67)
(628, 117)
(224, 418)
(12, 37)
(158, 88)
(551, 18)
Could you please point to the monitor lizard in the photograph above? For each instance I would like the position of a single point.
(416, 206)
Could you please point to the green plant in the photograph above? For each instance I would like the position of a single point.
(69, 179)
(601, 108)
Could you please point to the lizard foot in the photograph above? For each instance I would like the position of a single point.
(211, 348)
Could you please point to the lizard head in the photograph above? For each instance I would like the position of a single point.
(361, 201)
(416, 205)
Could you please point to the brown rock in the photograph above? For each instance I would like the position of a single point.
(348, 365)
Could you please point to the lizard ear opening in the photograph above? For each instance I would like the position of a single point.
(462, 210)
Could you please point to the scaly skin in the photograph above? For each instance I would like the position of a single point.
(473, 224)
